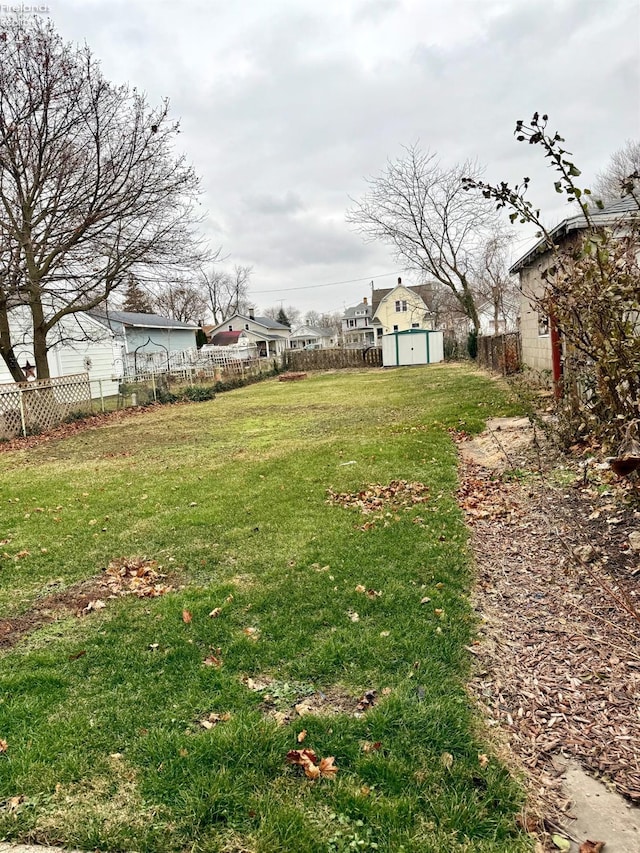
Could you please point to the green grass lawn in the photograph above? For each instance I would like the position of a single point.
(101, 713)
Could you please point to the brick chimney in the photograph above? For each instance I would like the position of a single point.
(364, 300)
(399, 280)
(252, 313)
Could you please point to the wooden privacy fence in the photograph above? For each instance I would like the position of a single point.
(37, 406)
(330, 359)
(500, 353)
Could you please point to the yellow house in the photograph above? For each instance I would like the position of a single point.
(401, 308)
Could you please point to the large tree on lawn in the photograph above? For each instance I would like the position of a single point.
(435, 229)
(91, 190)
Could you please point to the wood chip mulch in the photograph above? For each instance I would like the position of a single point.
(558, 653)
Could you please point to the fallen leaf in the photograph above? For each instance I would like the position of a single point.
(327, 767)
(425, 600)
(591, 846)
(353, 615)
(4, 746)
(186, 617)
(483, 759)
(561, 843)
(77, 655)
(302, 735)
(361, 588)
(384, 633)
(22, 554)
(14, 802)
(213, 660)
(368, 746)
(446, 759)
(215, 612)
(98, 604)
(183, 753)
(252, 633)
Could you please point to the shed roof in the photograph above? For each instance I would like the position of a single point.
(118, 320)
(225, 339)
(610, 215)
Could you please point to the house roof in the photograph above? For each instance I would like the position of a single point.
(312, 332)
(357, 309)
(118, 320)
(225, 339)
(424, 291)
(265, 322)
(610, 215)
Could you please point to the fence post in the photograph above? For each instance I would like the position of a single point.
(101, 396)
(153, 385)
(22, 417)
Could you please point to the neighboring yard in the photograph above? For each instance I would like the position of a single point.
(163, 723)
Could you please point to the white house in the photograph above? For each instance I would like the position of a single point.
(270, 337)
(80, 345)
(312, 337)
(357, 328)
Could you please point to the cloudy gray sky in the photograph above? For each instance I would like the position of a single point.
(287, 105)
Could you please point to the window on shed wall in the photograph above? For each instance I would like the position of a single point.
(543, 325)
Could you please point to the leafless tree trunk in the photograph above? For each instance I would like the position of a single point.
(90, 189)
(226, 293)
(422, 210)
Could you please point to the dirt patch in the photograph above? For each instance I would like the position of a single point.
(126, 576)
(285, 701)
(557, 586)
(72, 601)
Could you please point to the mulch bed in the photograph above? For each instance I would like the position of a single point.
(559, 654)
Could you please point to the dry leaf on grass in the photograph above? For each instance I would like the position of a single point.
(4, 746)
(186, 617)
(213, 719)
(215, 612)
(213, 659)
(302, 735)
(308, 760)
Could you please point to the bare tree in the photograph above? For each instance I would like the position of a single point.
(90, 188)
(181, 300)
(226, 293)
(279, 313)
(433, 225)
(493, 286)
(312, 318)
(623, 168)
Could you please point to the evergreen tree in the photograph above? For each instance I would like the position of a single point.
(282, 318)
(135, 299)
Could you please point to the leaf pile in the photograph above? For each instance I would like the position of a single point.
(135, 576)
(483, 497)
(381, 501)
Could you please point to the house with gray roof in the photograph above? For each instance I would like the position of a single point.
(357, 328)
(312, 337)
(145, 337)
(270, 337)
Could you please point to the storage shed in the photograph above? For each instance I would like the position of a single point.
(412, 346)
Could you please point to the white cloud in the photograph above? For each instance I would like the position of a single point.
(287, 105)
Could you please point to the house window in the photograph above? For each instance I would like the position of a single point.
(401, 304)
(231, 328)
(415, 325)
(543, 325)
(246, 325)
(395, 328)
(352, 323)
